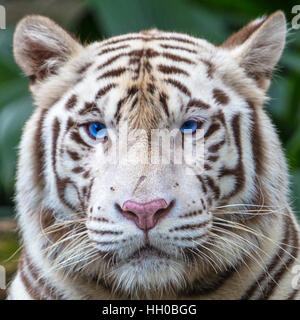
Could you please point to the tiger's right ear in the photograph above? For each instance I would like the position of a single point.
(41, 47)
(258, 46)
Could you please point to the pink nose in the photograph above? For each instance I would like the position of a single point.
(145, 215)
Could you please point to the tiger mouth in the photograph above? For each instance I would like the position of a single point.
(147, 252)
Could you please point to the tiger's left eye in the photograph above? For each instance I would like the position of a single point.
(97, 131)
(191, 125)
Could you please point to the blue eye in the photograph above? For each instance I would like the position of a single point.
(97, 130)
(189, 125)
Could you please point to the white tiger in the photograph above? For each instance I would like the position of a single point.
(96, 229)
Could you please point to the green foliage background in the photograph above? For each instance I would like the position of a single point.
(214, 20)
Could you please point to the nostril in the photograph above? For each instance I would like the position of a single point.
(121, 210)
(159, 212)
(132, 214)
(164, 211)
(128, 214)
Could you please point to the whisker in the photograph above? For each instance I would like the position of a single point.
(248, 205)
(14, 253)
(209, 250)
(57, 243)
(209, 259)
(250, 230)
(248, 254)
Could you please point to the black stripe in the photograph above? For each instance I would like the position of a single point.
(103, 232)
(203, 287)
(190, 226)
(166, 46)
(171, 70)
(106, 50)
(213, 127)
(270, 267)
(112, 73)
(48, 292)
(104, 90)
(176, 58)
(163, 98)
(31, 290)
(39, 154)
(198, 104)
(179, 86)
(269, 289)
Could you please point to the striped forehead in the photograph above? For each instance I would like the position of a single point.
(168, 69)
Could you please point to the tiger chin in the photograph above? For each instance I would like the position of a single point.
(100, 218)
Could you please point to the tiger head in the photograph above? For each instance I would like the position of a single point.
(116, 206)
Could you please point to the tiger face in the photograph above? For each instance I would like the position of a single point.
(139, 224)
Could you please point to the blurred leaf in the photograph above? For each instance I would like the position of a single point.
(8, 67)
(8, 247)
(12, 119)
(116, 17)
(279, 98)
(291, 60)
(6, 211)
(11, 89)
(293, 150)
(245, 6)
(295, 184)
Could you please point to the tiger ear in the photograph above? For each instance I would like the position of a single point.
(41, 47)
(258, 46)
